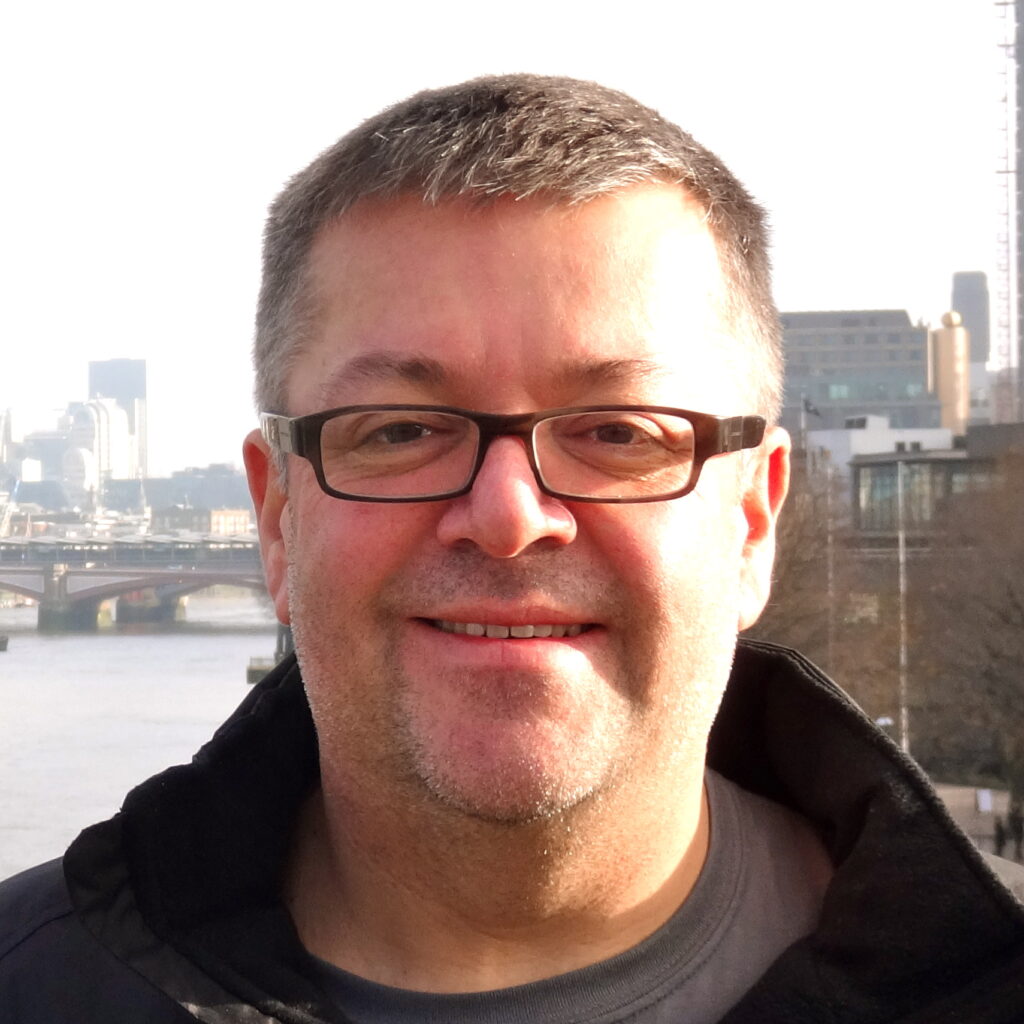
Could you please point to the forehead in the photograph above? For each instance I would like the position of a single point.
(559, 301)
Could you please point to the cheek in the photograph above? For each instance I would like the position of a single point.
(667, 541)
(347, 549)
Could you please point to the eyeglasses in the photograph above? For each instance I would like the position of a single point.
(607, 453)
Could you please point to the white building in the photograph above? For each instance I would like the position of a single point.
(872, 435)
(100, 447)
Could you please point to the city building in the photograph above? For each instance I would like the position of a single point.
(970, 299)
(215, 486)
(8, 452)
(42, 454)
(930, 479)
(870, 435)
(124, 381)
(844, 364)
(99, 448)
(948, 371)
(127, 497)
(219, 522)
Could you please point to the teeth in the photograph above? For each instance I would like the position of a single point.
(504, 632)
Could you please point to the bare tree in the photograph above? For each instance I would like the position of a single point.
(828, 600)
(970, 613)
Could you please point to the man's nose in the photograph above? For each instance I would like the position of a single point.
(506, 512)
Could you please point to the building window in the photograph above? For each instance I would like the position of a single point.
(837, 391)
(876, 493)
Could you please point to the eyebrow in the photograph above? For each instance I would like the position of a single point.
(425, 371)
(384, 366)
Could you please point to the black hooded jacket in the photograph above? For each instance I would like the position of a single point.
(170, 911)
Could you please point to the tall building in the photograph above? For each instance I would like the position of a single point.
(6, 440)
(949, 371)
(99, 448)
(124, 380)
(970, 300)
(854, 363)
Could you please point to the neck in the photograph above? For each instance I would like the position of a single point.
(424, 897)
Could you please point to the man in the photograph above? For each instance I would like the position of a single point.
(517, 487)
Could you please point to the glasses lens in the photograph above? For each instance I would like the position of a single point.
(613, 454)
(398, 453)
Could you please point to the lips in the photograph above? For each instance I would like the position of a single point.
(497, 631)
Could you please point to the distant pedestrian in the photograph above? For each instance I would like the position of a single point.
(999, 839)
(1015, 826)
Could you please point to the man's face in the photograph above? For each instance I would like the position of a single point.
(516, 307)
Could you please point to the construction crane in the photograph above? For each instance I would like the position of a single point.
(1007, 311)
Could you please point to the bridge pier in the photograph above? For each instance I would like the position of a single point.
(60, 611)
(148, 605)
(71, 616)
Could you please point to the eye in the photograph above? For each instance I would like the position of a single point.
(625, 431)
(393, 437)
(621, 440)
(367, 432)
(618, 433)
(400, 433)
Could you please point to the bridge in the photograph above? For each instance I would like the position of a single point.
(71, 579)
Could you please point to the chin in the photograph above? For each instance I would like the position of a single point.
(510, 803)
(512, 783)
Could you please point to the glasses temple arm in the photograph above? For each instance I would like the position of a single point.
(277, 432)
(739, 432)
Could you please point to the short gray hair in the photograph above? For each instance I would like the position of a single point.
(517, 136)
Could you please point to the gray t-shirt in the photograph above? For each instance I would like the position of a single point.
(757, 893)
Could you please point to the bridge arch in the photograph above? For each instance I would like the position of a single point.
(21, 589)
(71, 579)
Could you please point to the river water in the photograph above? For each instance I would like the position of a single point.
(86, 716)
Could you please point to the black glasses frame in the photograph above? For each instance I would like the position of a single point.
(713, 435)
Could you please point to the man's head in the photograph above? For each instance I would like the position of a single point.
(518, 136)
(608, 629)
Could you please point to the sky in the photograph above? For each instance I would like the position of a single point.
(143, 143)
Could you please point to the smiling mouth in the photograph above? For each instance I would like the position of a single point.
(496, 632)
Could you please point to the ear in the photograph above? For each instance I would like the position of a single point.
(765, 490)
(271, 503)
